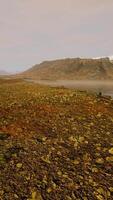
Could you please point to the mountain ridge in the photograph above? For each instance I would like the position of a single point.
(72, 69)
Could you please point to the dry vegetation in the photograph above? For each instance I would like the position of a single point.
(55, 143)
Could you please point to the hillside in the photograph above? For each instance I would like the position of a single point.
(72, 69)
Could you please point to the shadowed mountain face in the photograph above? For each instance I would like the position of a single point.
(72, 69)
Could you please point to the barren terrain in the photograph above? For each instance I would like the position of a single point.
(55, 143)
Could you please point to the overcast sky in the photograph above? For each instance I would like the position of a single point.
(32, 31)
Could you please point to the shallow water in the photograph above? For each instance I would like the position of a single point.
(106, 87)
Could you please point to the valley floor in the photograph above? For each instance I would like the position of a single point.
(55, 143)
(106, 87)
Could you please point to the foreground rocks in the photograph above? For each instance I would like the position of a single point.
(55, 144)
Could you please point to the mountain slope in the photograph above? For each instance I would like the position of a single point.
(72, 69)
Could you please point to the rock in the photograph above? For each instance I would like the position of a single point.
(72, 139)
(41, 139)
(111, 189)
(2, 159)
(94, 170)
(54, 185)
(68, 198)
(99, 114)
(111, 151)
(99, 160)
(16, 196)
(36, 195)
(98, 148)
(59, 173)
(19, 165)
(76, 162)
(46, 159)
(81, 139)
(101, 191)
(13, 152)
(4, 136)
(1, 192)
(100, 197)
(49, 190)
(109, 159)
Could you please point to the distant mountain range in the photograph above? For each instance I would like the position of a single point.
(72, 69)
(3, 73)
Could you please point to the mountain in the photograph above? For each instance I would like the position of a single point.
(3, 73)
(111, 59)
(72, 69)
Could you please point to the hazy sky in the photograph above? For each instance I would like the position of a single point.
(35, 30)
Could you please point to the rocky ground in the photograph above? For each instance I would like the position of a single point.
(55, 143)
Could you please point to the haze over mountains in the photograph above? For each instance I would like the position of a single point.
(72, 69)
(3, 73)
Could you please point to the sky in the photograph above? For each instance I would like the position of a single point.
(32, 31)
